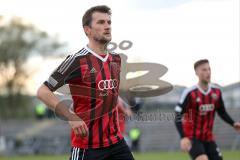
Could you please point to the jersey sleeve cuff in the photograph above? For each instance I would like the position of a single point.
(49, 86)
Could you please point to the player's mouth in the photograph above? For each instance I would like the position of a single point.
(107, 33)
(208, 78)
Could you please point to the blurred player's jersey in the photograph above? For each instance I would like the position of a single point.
(198, 108)
(93, 81)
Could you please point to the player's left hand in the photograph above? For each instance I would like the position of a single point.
(236, 126)
(129, 112)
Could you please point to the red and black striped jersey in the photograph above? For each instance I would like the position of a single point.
(93, 82)
(196, 111)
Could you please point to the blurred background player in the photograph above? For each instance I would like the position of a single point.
(195, 114)
(40, 111)
(134, 135)
(93, 76)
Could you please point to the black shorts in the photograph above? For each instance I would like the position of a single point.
(208, 148)
(118, 151)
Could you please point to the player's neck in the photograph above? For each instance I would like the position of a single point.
(204, 86)
(98, 48)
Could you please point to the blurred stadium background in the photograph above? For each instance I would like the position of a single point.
(159, 139)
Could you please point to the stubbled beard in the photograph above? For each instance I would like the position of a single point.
(206, 82)
(102, 40)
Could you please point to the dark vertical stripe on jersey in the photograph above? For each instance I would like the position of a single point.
(109, 128)
(115, 125)
(113, 94)
(110, 112)
(212, 114)
(196, 115)
(93, 103)
(191, 106)
(209, 115)
(202, 97)
(113, 90)
(100, 124)
(204, 117)
(72, 75)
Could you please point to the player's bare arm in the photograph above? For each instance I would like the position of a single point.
(51, 100)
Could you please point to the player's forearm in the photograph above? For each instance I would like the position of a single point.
(221, 110)
(60, 108)
(47, 97)
(225, 116)
(122, 109)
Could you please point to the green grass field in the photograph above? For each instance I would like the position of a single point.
(228, 155)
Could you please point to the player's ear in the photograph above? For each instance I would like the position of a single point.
(196, 72)
(87, 30)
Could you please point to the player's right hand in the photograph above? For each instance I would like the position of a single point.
(185, 144)
(236, 125)
(128, 112)
(79, 127)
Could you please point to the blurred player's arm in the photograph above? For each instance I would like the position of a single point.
(125, 108)
(178, 119)
(55, 81)
(180, 109)
(45, 93)
(225, 116)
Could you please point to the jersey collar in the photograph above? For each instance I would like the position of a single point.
(96, 55)
(204, 92)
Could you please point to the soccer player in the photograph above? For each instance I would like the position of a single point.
(195, 114)
(92, 75)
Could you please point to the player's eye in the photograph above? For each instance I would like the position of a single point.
(101, 22)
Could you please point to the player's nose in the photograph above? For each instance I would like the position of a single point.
(107, 29)
(107, 26)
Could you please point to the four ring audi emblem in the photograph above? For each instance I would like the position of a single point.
(107, 84)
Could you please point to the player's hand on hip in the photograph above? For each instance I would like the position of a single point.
(129, 112)
(79, 127)
(185, 144)
(236, 125)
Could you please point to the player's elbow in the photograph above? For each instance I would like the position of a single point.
(41, 92)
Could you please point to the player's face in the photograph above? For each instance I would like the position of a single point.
(204, 73)
(100, 29)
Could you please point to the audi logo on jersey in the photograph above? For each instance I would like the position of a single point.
(107, 84)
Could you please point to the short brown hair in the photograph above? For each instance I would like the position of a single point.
(87, 17)
(200, 62)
